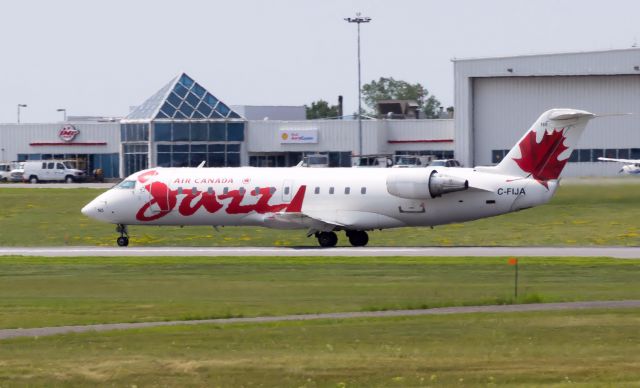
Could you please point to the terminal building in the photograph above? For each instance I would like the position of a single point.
(496, 101)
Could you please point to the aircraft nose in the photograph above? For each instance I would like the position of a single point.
(90, 210)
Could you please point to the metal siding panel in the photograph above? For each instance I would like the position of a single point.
(16, 138)
(507, 106)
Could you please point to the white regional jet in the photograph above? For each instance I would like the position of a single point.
(355, 200)
(632, 166)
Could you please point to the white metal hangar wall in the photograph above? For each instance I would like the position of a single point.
(497, 100)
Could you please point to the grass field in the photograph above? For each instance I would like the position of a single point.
(40, 292)
(585, 349)
(586, 214)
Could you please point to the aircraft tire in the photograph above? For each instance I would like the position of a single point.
(327, 239)
(358, 238)
(122, 241)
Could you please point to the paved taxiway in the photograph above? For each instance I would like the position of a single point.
(615, 252)
(46, 331)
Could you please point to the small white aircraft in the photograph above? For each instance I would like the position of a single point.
(355, 200)
(632, 166)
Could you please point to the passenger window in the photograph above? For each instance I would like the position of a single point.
(286, 190)
(347, 190)
(330, 190)
(179, 190)
(210, 190)
(257, 190)
(225, 190)
(242, 190)
(194, 191)
(59, 166)
(272, 190)
(44, 166)
(317, 190)
(50, 166)
(363, 190)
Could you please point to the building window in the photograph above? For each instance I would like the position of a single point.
(135, 158)
(134, 132)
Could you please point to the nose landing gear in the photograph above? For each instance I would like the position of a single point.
(123, 240)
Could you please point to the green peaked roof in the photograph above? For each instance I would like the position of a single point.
(182, 99)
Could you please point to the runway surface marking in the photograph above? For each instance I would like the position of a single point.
(614, 252)
(47, 331)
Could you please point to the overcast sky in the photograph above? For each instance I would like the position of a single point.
(101, 57)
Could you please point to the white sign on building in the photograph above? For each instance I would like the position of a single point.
(298, 136)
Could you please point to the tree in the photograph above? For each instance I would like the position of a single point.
(391, 89)
(321, 110)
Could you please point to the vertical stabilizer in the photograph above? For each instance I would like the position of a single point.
(545, 149)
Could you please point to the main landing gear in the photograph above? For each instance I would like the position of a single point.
(123, 240)
(357, 238)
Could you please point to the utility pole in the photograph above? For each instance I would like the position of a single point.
(20, 106)
(358, 20)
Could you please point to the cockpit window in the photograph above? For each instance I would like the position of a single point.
(126, 185)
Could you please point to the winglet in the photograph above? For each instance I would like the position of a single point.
(295, 206)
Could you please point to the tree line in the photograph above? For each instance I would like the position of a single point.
(385, 88)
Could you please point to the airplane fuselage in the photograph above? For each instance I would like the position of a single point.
(329, 198)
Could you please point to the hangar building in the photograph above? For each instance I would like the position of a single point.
(497, 100)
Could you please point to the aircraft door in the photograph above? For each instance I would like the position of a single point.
(287, 190)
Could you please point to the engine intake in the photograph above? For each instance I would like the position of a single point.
(442, 184)
(417, 185)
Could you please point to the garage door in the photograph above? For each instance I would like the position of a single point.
(504, 108)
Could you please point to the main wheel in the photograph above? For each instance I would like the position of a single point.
(327, 239)
(123, 241)
(358, 238)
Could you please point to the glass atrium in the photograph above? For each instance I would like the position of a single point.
(181, 125)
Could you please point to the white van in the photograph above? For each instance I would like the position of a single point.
(51, 170)
(5, 172)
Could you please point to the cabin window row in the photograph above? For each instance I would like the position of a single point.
(272, 190)
(347, 190)
(584, 155)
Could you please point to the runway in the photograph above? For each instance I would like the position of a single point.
(47, 331)
(613, 252)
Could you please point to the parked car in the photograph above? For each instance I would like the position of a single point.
(5, 172)
(403, 161)
(372, 161)
(52, 171)
(17, 168)
(445, 163)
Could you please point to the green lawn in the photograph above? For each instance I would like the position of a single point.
(587, 214)
(60, 291)
(579, 348)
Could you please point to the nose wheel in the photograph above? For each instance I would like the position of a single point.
(358, 238)
(123, 240)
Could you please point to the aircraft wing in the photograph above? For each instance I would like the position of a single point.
(294, 220)
(629, 161)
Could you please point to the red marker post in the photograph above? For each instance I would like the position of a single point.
(513, 261)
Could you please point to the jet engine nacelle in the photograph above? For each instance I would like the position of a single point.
(416, 185)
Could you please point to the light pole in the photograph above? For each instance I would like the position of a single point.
(358, 20)
(63, 110)
(20, 106)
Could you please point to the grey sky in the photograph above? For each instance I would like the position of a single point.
(100, 57)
